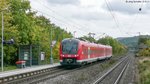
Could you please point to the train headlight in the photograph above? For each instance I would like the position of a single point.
(76, 55)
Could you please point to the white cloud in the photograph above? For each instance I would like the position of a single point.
(63, 2)
(86, 16)
(126, 8)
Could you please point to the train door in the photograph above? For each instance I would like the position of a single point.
(88, 52)
(104, 51)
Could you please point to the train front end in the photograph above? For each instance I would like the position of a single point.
(69, 52)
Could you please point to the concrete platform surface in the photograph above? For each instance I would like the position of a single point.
(27, 69)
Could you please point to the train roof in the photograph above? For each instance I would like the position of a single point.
(70, 39)
(87, 42)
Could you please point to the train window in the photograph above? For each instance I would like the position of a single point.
(69, 47)
(84, 51)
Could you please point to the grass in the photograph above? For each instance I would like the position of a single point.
(7, 68)
(144, 71)
(107, 64)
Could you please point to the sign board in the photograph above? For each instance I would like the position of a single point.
(26, 54)
(53, 43)
(42, 55)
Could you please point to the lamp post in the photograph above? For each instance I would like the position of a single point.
(74, 33)
(108, 43)
(2, 41)
(51, 46)
(90, 34)
(11, 41)
(98, 37)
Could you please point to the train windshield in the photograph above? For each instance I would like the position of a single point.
(69, 47)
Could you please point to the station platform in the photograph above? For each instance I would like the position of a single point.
(26, 70)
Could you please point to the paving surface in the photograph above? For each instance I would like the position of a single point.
(25, 70)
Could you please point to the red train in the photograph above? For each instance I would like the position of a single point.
(76, 52)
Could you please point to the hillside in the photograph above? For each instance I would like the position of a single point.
(130, 42)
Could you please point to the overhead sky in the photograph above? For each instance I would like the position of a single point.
(116, 18)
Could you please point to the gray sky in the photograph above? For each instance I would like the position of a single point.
(84, 16)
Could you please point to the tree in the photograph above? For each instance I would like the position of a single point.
(10, 32)
(145, 51)
(26, 28)
(117, 47)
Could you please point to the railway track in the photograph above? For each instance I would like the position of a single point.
(114, 75)
(62, 72)
(65, 72)
(39, 76)
(21, 78)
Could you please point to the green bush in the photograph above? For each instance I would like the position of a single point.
(144, 71)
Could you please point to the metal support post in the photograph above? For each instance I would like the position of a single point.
(2, 41)
(74, 34)
(51, 48)
(30, 55)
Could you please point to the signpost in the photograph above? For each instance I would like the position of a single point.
(51, 48)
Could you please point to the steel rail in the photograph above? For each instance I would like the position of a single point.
(121, 74)
(108, 72)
